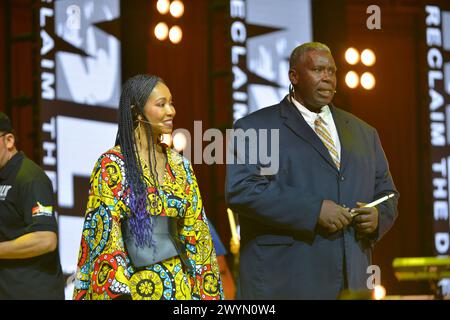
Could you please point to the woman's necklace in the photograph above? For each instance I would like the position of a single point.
(161, 162)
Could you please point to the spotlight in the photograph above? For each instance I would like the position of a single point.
(177, 8)
(161, 31)
(179, 141)
(379, 292)
(166, 139)
(352, 56)
(368, 57)
(367, 81)
(175, 34)
(352, 79)
(163, 6)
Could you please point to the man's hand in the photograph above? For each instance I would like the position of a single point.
(333, 217)
(366, 221)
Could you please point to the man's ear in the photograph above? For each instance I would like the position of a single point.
(293, 76)
(10, 140)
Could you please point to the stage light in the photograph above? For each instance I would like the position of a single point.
(352, 56)
(177, 8)
(175, 34)
(161, 31)
(368, 57)
(352, 79)
(367, 81)
(179, 141)
(379, 292)
(163, 6)
(166, 139)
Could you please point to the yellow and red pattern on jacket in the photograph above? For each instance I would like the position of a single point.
(104, 269)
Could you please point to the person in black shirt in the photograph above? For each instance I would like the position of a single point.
(29, 261)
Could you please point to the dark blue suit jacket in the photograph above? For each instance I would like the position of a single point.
(284, 253)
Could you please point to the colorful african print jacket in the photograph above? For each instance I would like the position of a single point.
(104, 269)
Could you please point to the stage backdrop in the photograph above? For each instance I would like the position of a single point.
(80, 77)
(261, 47)
(436, 106)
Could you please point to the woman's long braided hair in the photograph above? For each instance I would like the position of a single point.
(135, 93)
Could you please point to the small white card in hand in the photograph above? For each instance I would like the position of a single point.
(372, 204)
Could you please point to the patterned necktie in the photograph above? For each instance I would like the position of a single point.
(325, 136)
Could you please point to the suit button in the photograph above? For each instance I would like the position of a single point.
(342, 178)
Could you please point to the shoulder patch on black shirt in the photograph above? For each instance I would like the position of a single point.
(40, 210)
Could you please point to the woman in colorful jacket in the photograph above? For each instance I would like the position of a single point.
(139, 190)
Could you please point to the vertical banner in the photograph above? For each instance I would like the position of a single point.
(261, 48)
(438, 67)
(437, 39)
(80, 81)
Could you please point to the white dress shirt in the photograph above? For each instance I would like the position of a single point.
(327, 117)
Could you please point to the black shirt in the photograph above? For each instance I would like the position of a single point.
(26, 205)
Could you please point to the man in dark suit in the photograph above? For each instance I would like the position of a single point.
(298, 238)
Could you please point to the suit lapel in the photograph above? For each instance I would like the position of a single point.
(345, 136)
(293, 119)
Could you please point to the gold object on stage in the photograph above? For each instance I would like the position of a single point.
(422, 268)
